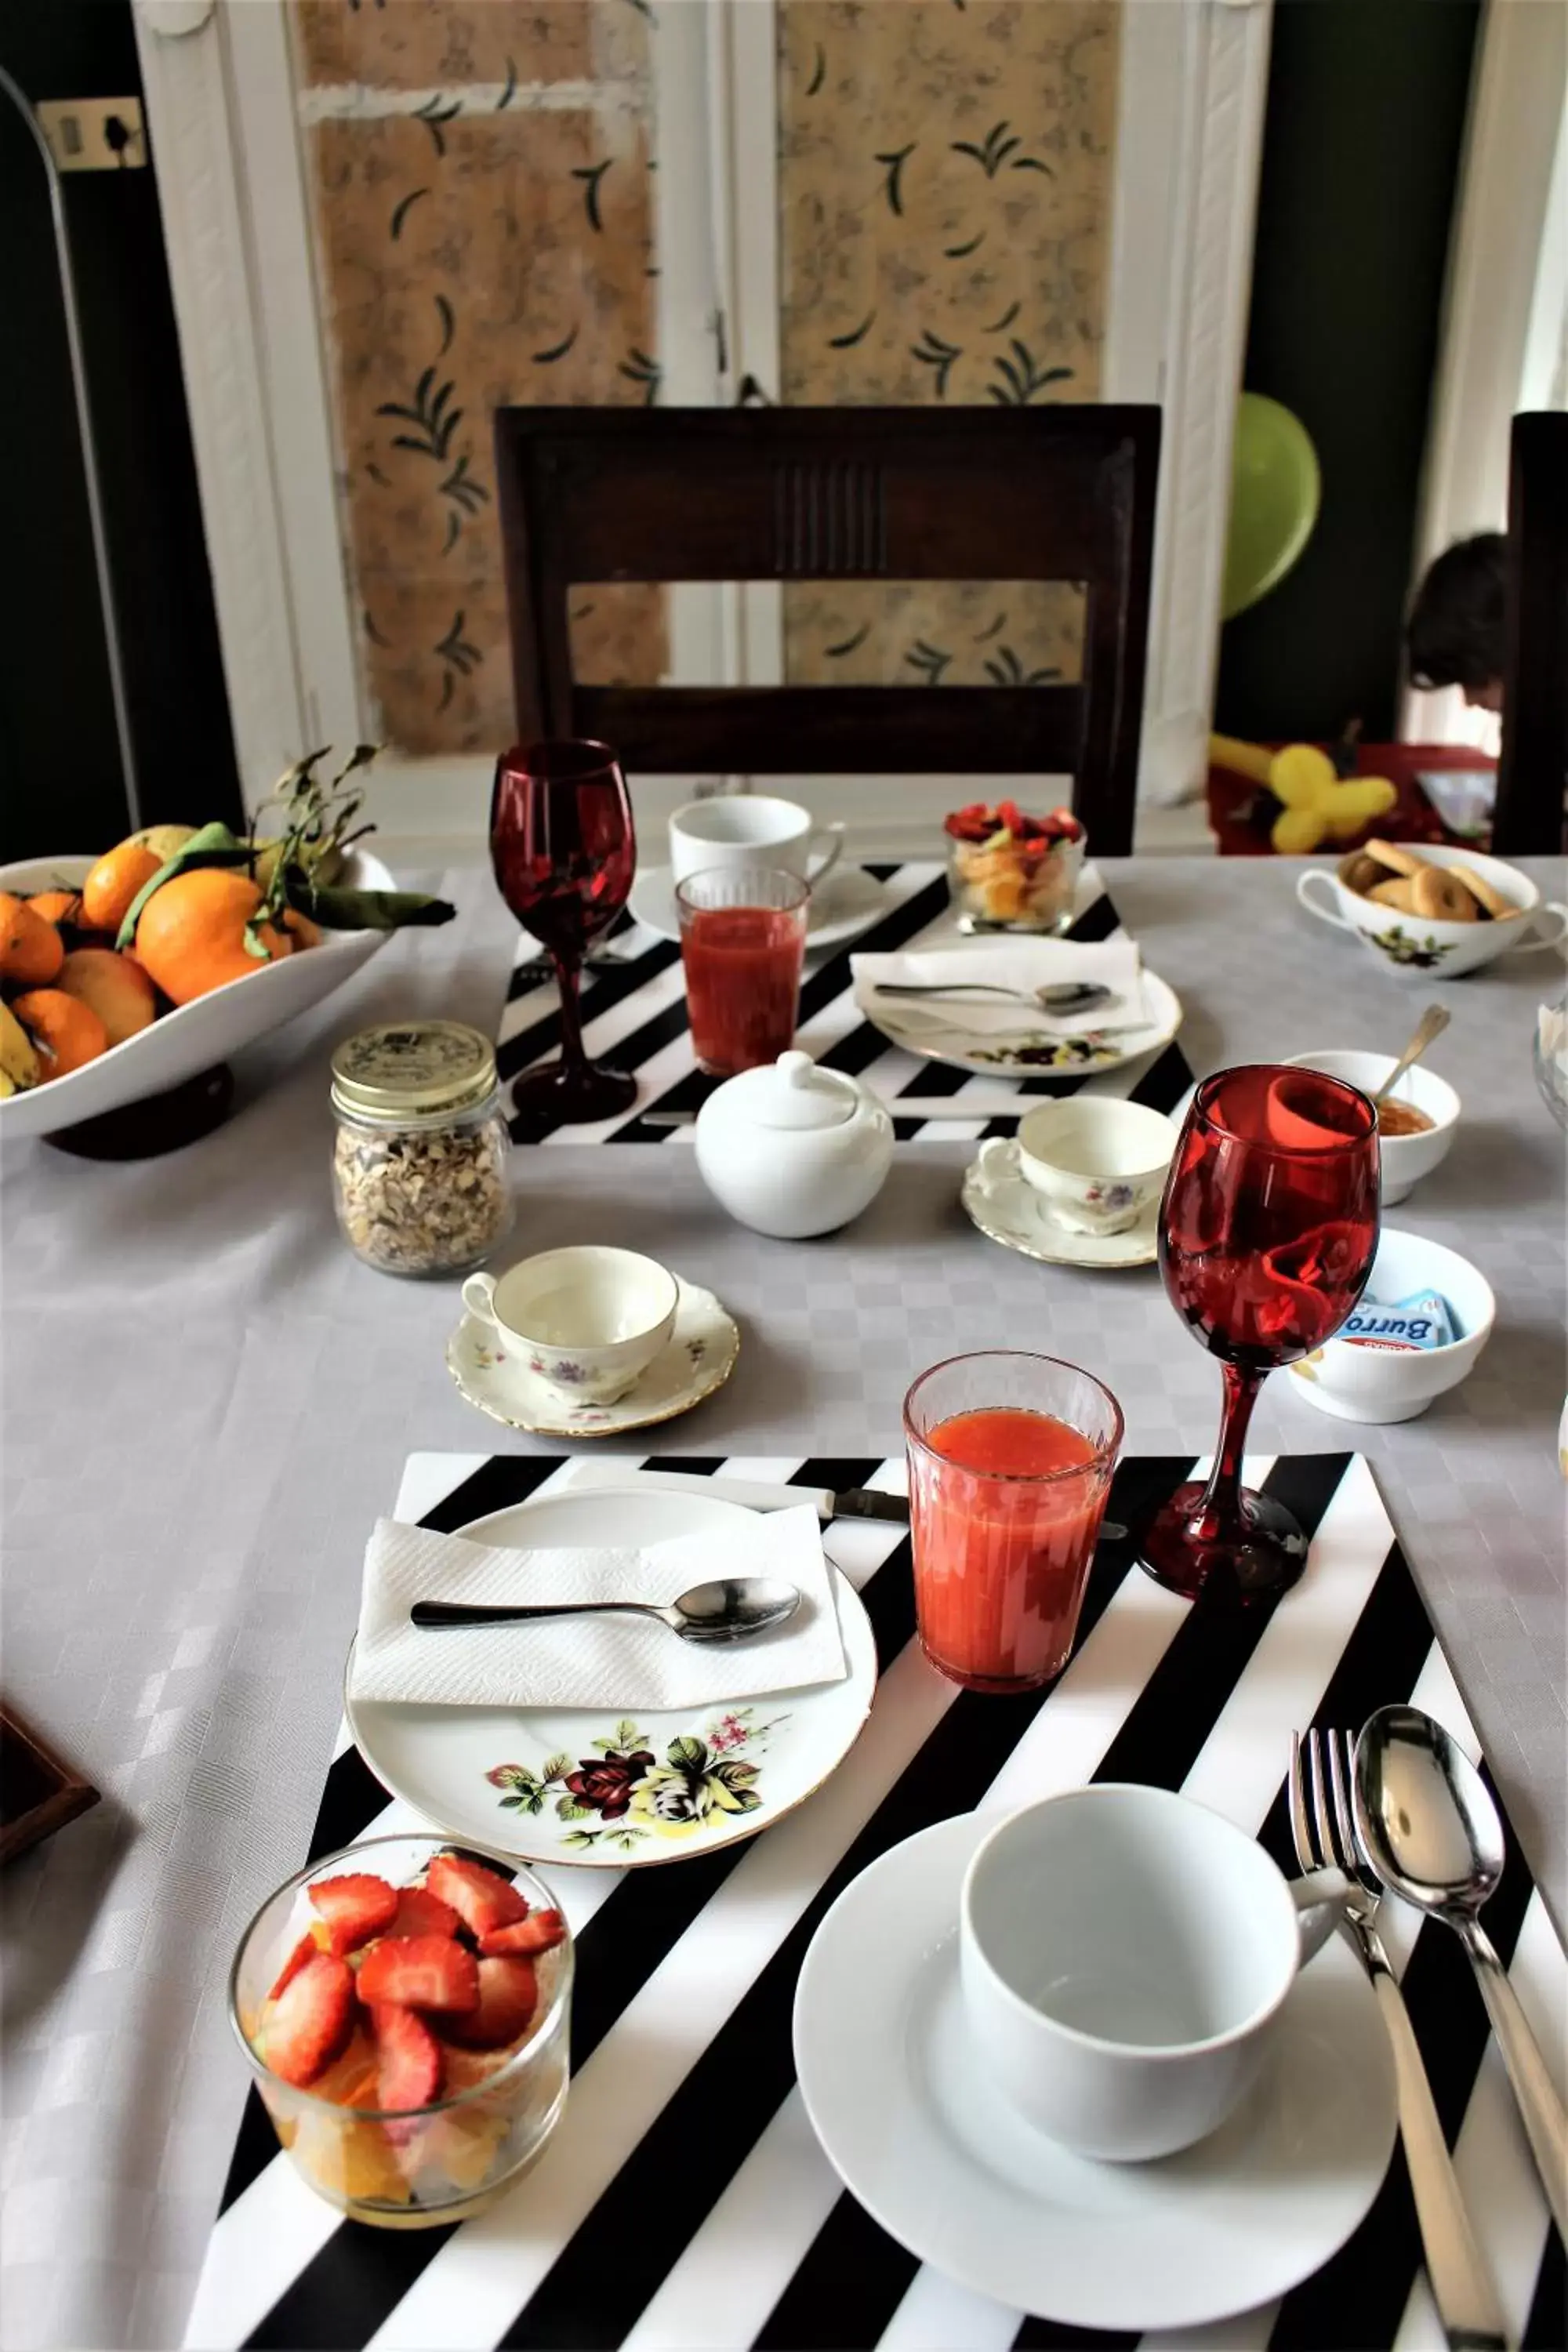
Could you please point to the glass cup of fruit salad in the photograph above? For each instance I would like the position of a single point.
(1008, 872)
(405, 2010)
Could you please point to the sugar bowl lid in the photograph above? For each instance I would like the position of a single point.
(413, 1069)
(794, 1094)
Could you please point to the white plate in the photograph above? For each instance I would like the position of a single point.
(935, 2153)
(1008, 1208)
(440, 1760)
(939, 1033)
(192, 1036)
(844, 904)
(700, 1357)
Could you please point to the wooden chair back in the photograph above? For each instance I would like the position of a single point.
(765, 494)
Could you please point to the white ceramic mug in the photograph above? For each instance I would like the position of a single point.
(1124, 1955)
(750, 829)
(587, 1321)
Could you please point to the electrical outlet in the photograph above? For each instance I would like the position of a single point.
(94, 134)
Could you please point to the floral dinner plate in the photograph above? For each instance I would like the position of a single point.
(991, 1039)
(604, 1788)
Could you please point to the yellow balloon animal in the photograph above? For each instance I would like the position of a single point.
(1315, 806)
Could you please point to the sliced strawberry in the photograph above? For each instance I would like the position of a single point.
(540, 1932)
(420, 1912)
(482, 1898)
(408, 2058)
(305, 1949)
(355, 1908)
(419, 1972)
(508, 1995)
(303, 2029)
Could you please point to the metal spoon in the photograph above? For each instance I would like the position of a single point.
(728, 1609)
(1432, 1024)
(1061, 996)
(1432, 1834)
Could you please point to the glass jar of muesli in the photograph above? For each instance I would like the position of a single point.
(420, 1163)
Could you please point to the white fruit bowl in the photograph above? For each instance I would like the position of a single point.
(192, 1036)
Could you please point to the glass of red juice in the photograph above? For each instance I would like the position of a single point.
(742, 939)
(1010, 1463)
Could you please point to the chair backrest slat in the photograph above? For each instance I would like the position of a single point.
(1028, 494)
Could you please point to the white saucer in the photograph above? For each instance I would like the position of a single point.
(935, 2153)
(995, 1044)
(699, 1358)
(440, 1760)
(843, 904)
(1008, 1209)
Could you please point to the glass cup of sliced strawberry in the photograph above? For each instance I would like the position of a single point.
(1010, 872)
(405, 2009)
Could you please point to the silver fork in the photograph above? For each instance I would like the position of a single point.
(1325, 1830)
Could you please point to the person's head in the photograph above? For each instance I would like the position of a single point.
(1454, 632)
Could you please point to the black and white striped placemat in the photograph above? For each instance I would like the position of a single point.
(635, 1017)
(684, 2202)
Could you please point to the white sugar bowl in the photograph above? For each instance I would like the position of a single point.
(791, 1148)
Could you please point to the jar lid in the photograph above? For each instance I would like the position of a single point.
(413, 1069)
(795, 1093)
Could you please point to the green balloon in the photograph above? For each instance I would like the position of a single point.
(1275, 491)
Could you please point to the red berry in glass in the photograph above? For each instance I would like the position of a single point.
(565, 852)
(1267, 1232)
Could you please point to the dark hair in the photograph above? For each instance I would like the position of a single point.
(1455, 633)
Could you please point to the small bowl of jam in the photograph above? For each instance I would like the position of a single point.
(1416, 1124)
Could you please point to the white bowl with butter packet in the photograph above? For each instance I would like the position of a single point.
(1361, 1381)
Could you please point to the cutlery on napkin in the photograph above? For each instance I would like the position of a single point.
(1023, 964)
(613, 1661)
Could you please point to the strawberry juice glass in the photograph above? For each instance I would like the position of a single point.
(407, 2167)
(743, 939)
(1010, 1462)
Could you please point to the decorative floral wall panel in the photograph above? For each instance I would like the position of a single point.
(945, 188)
(484, 222)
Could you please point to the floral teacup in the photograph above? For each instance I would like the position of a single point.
(589, 1321)
(1098, 1163)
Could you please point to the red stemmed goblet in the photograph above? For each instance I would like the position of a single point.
(1266, 1236)
(564, 851)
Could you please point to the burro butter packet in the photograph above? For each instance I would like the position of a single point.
(1423, 1320)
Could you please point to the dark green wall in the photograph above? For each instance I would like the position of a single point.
(1361, 159)
(61, 782)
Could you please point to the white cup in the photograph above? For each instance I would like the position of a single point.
(750, 829)
(1098, 1163)
(1124, 1955)
(588, 1321)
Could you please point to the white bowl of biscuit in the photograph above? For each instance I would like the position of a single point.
(1432, 909)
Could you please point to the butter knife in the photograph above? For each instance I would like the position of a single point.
(753, 1495)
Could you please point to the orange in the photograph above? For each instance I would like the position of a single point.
(106, 892)
(66, 1032)
(118, 990)
(30, 950)
(57, 905)
(190, 937)
(301, 929)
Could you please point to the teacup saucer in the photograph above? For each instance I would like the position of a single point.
(940, 2157)
(699, 1358)
(1008, 1209)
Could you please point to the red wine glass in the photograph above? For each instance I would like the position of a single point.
(564, 851)
(1266, 1236)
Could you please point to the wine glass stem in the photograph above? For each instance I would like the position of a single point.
(569, 981)
(1219, 1512)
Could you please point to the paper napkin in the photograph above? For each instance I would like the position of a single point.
(603, 1661)
(1017, 964)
